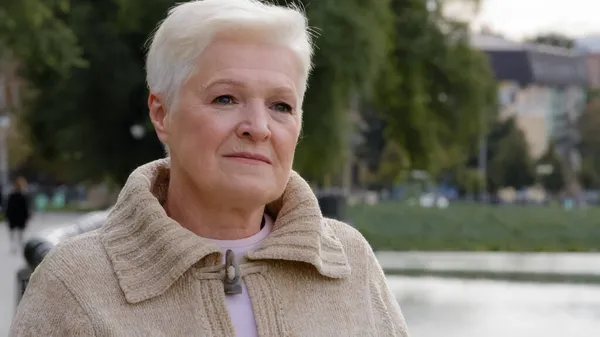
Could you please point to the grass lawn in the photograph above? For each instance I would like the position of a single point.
(467, 227)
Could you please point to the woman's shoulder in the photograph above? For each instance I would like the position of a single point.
(80, 247)
(77, 261)
(345, 231)
(355, 246)
(61, 289)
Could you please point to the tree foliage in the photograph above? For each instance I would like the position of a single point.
(408, 60)
(84, 120)
(554, 39)
(553, 180)
(468, 180)
(34, 30)
(509, 162)
(81, 123)
(435, 89)
(589, 146)
(393, 167)
(351, 46)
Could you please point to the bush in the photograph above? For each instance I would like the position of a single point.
(468, 227)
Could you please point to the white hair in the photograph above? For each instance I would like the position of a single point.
(189, 27)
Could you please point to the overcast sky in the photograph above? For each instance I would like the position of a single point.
(523, 18)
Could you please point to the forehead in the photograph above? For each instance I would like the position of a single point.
(232, 61)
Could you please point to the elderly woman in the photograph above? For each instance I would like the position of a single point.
(222, 238)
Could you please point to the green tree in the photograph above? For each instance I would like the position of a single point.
(510, 163)
(80, 124)
(589, 175)
(393, 167)
(351, 47)
(554, 39)
(84, 120)
(589, 145)
(33, 30)
(551, 174)
(372, 135)
(435, 88)
(468, 180)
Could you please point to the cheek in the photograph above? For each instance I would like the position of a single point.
(195, 132)
(287, 139)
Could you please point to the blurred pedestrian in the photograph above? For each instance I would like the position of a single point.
(2, 205)
(222, 238)
(17, 212)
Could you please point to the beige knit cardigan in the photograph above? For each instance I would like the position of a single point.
(142, 274)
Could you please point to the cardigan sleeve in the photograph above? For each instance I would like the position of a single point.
(49, 308)
(389, 320)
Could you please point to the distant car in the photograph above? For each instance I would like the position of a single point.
(433, 200)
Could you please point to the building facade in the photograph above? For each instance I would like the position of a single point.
(593, 62)
(544, 88)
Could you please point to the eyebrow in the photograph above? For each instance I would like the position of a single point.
(225, 81)
(285, 89)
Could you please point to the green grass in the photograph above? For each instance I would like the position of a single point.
(467, 227)
(70, 208)
(464, 227)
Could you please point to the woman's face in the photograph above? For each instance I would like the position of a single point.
(234, 128)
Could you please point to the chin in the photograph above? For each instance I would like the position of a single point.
(252, 189)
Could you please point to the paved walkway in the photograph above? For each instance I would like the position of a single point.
(10, 263)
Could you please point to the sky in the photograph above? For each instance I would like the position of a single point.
(519, 19)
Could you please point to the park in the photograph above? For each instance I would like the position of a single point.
(406, 102)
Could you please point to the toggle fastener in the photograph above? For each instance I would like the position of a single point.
(232, 282)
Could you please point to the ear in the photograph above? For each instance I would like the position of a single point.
(159, 116)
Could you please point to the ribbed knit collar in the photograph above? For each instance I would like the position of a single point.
(149, 251)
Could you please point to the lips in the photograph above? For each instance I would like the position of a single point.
(250, 156)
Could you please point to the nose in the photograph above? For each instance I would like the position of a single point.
(255, 123)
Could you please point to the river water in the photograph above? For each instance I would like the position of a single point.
(442, 307)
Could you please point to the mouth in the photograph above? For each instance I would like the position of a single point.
(247, 156)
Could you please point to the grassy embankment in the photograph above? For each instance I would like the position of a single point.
(464, 227)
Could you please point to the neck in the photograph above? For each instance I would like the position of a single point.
(209, 217)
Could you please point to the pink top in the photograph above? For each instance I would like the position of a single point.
(239, 306)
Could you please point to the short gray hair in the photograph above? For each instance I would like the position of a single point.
(189, 27)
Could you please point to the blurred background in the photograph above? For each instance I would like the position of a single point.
(461, 137)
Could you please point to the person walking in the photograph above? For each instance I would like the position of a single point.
(17, 213)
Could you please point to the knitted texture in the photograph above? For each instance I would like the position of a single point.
(142, 274)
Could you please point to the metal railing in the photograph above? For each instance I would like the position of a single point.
(36, 248)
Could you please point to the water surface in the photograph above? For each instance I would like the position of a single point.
(440, 307)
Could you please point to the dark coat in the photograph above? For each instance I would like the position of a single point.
(17, 210)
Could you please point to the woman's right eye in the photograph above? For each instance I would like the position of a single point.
(224, 99)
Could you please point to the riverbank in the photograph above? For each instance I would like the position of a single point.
(396, 226)
(569, 267)
(534, 267)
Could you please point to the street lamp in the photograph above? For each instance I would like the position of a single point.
(137, 131)
(4, 124)
(545, 169)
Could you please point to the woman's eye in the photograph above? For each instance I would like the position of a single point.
(224, 99)
(282, 107)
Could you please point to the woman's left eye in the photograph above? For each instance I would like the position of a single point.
(224, 100)
(282, 107)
